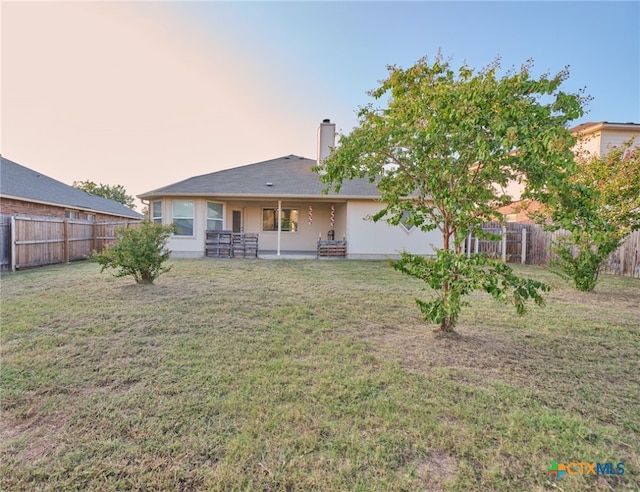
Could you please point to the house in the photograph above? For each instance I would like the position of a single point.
(594, 140)
(44, 221)
(27, 192)
(282, 200)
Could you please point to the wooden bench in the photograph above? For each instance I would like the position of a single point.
(332, 249)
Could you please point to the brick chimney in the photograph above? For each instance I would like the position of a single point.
(326, 139)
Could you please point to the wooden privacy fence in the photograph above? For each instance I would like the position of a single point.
(531, 244)
(512, 246)
(37, 241)
(5, 243)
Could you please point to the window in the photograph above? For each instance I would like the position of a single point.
(289, 219)
(91, 217)
(71, 214)
(183, 217)
(511, 218)
(214, 216)
(405, 223)
(156, 212)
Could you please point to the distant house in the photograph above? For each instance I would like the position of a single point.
(24, 191)
(594, 140)
(597, 138)
(282, 201)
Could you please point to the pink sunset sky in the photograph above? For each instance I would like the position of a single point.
(144, 94)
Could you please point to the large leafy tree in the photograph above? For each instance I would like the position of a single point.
(599, 208)
(443, 146)
(114, 192)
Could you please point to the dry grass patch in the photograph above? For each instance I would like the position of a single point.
(306, 375)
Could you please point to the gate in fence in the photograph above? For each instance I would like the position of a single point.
(512, 246)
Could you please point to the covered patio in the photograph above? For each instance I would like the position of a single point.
(229, 244)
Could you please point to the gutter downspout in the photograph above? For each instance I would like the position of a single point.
(279, 225)
(147, 203)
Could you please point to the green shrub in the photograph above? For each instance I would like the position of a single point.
(579, 259)
(139, 252)
(453, 276)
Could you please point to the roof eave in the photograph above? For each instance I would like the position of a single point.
(261, 196)
(67, 205)
(600, 125)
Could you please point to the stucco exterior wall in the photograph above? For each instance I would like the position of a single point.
(615, 138)
(187, 246)
(367, 239)
(304, 239)
(307, 235)
(600, 142)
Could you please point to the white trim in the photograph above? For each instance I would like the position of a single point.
(222, 213)
(279, 225)
(262, 196)
(152, 217)
(192, 218)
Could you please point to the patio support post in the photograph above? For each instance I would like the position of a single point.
(279, 225)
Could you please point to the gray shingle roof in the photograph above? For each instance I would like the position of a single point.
(20, 182)
(290, 176)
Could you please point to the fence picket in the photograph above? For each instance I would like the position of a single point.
(531, 244)
(37, 241)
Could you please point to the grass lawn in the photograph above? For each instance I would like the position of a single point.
(310, 375)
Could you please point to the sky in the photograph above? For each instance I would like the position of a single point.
(145, 94)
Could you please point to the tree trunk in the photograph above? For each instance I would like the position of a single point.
(447, 324)
(446, 237)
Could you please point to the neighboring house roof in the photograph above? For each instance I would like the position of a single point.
(21, 183)
(288, 176)
(592, 126)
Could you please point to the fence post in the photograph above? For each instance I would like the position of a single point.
(66, 240)
(469, 246)
(94, 236)
(622, 260)
(504, 243)
(12, 236)
(476, 247)
(523, 256)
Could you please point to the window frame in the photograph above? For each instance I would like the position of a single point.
(275, 218)
(220, 220)
(183, 218)
(405, 227)
(156, 219)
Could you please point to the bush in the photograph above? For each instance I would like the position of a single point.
(139, 252)
(580, 259)
(453, 276)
